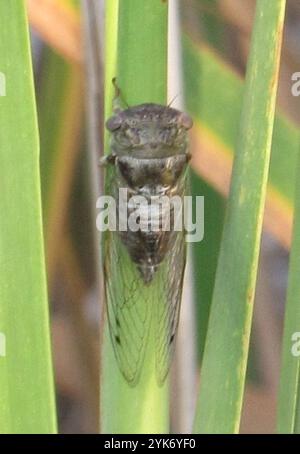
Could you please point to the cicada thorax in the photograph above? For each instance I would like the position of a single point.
(152, 210)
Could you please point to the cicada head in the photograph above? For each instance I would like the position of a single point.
(149, 130)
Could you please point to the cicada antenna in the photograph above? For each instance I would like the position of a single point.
(173, 99)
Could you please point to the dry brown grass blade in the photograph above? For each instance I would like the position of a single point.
(58, 25)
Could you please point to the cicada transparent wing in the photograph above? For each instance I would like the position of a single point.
(167, 305)
(170, 283)
(129, 308)
(131, 304)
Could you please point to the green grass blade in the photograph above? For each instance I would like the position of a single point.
(206, 251)
(226, 349)
(53, 91)
(142, 76)
(26, 383)
(289, 392)
(211, 25)
(59, 115)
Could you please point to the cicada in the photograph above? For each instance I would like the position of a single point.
(144, 266)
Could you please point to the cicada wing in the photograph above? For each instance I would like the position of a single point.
(169, 284)
(128, 308)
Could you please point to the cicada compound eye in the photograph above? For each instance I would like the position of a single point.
(114, 123)
(185, 120)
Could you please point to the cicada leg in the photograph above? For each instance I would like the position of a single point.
(107, 159)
